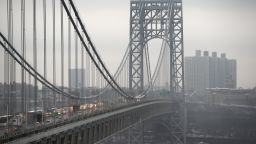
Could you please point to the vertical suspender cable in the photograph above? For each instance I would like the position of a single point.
(93, 72)
(54, 64)
(69, 54)
(35, 53)
(76, 60)
(83, 88)
(6, 74)
(9, 72)
(45, 50)
(45, 54)
(82, 71)
(22, 53)
(62, 52)
(11, 60)
(23, 74)
(14, 72)
(12, 66)
(88, 78)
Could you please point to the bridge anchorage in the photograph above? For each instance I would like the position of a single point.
(56, 88)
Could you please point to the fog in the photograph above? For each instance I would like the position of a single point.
(224, 26)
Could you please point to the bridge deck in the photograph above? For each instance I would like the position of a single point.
(88, 121)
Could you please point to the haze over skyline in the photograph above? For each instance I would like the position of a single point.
(224, 26)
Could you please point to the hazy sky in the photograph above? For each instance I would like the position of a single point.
(225, 26)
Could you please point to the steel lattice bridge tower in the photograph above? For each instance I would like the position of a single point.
(157, 19)
(150, 19)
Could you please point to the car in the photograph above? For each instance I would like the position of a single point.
(48, 121)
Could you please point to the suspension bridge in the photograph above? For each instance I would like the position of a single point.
(56, 88)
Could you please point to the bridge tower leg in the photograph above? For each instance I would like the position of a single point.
(178, 118)
(137, 16)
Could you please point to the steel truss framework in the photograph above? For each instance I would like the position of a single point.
(156, 19)
(162, 19)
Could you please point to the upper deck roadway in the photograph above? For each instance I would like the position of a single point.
(100, 126)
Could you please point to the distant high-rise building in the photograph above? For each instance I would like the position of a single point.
(14, 99)
(202, 72)
(76, 80)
